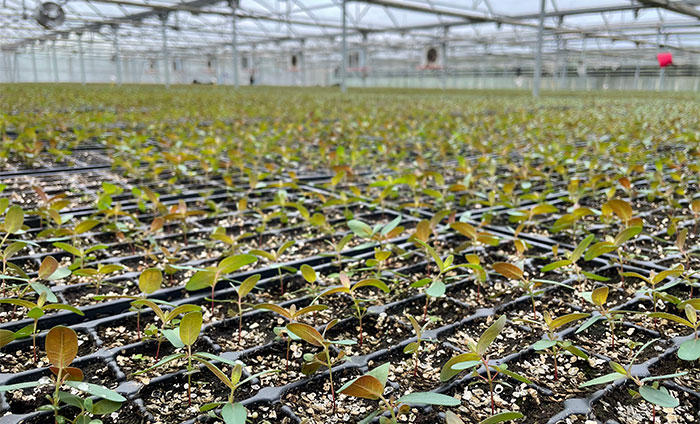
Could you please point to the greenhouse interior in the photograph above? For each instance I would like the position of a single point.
(349, 211)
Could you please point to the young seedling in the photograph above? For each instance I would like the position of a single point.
(242, 291)
(324, 358)
(653, 279)
(614, 245)
(61, 349)
(599, 298)
(180, 213)
(80, 256)
(526, 285)
(689, 349)
(98, 275)
(474, 265)
(233, 243)
(47, 300)
(358, 303)
(14, 220)
(478, 355)
(291, 315)
(379, 234)
(371, 386)
(275, 256)
(338, 248)
(210, 276)
(188, 333)
(502, 417)
(476, 238)
(436, 284)
(414, 348)
(652, 393)
(232, 412)
(571, 258)
(167, 320)
(553, 345)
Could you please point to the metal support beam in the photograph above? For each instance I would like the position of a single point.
(637, 70)
(54, 60)
(302, 64)
(443, 54)
(82, 59)
(344, 62)
(365, 59)
(234, 43)
(34, 71)
(166, 56)
(117, 59)
(538, 57)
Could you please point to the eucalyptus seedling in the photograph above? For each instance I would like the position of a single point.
(380, 233)
(188, 333)
(371, 386)
(291, 314)
(232, 243)
(414, 348)
(323, 358)
(211, 275)
(358, 303)
(436, 284)
(571, 258)
(14, 220)
(527, 285)
(46, 301)
(653, 279)
(689, 349)
(652, 393)
(242, 291)
(478, 355)
(599, 298)
(475, 267)
(180, 213)
(80, 256)
(61, 349)
(168, 319)
(476, 238)
(232, 412)
(97, 275)
(274, 256)
(501, 417)
(338, 248)
(614, 245)
(553, 345)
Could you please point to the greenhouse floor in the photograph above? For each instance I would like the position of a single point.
(288, 255)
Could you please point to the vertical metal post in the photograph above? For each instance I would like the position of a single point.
(234, 42)
(54, 60)
(15, 78)
(365, 59)
(565, 65)
(117, 59)
(82, 58)
(443, 54)
(637, 68)
(302, 64)
(36, 75)
(660, 82)
(344, 65)
(538, 57)
(166, 57)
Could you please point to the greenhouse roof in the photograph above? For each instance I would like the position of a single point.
(509, 26)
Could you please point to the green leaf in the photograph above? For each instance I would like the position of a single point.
(307, 333)
(20, 386)
(248, 284)
(201, 280)
(86, 226)
(14, 219)
(607, 378)
(428, 398)
(234, 263)
(41, 288)
(598, 249)
(371, 282)
(190, 326)
(660, 396)
(234, 413)
(173, 337)
(671, 317)
(544, 344)
(594, 277)
(48, 266)
(150, 280)
(502, 417)
(96, 390)
(162, 362)
(555, 265)
(581, 247)
(436, 289)
(588, 323)
(6, 336)
(503, 369)
(105, 407)
(391, 225)
(360, 228)
(490, 335)
(565, 319)
(308, 273)
(689, 350)
(68, 248)
(626, 235)
(447, 372)
(65, 308)
(381, 373)
(59, 274)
